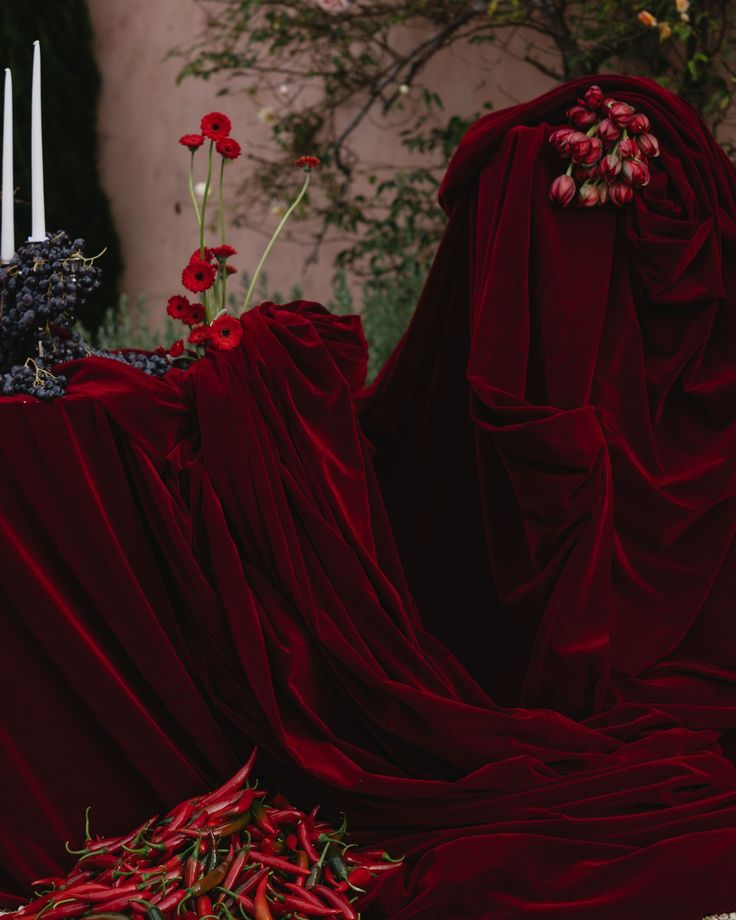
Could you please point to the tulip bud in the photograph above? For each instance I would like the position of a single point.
(560, 139)
(585, 173)
(649, 145)
(620, 193)
(635, 172)
(593, 97)
(608, 130)
(639, 124)
(588, 195)
(581, 117)
(610, 166)
(562, 191)
(628, 148)
(587, 151)
(621, 113)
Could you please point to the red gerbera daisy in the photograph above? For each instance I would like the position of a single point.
(178, 306)
(192, 141)
(225, 333)
(228, 148)
(200, 335)
(198, 276)
(194, 315)
(223, 252)
(207, 254)
(177, 348)
(307, 163)
(216, 125)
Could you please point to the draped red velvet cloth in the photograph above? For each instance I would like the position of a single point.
(197, 563)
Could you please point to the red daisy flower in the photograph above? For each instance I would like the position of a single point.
(216, 125)
(226, 333)
(194, 315)
(192, 141)
(200, 335)
(228, 148)
(198, 276)
(178, 307)
(177, 348)
(207, 254)
(224, 251)
(307, 163)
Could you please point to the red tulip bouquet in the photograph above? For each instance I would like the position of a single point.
(608, 145)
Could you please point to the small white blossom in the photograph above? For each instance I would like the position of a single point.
(404, 89)
(199, 189)
(266, 115)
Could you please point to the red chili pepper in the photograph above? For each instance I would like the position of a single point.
(309, 820)
(291, 842)
(260, 904)
(204, 906)
(306, 844)
(55, 880)
(245, 801)
(171, 900)
(253, 881)
(262, 820)
(376, 867)
(292, 903)
(209, 881)
(118, 902)
(220, 805)
(234, 871)
(276, 862)
(330, 876)
(107, 894)
(360, 877)
(235, 782)
(337, 900)
(235, 825)
(66, 910)
(179, 817)
(99, 861)
(284, 816)
(192, 871)
(303, 894)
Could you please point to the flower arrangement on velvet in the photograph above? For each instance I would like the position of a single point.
(207, 271)
(608, 144)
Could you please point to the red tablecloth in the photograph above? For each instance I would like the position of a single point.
(194, 564)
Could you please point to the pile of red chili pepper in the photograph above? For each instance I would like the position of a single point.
(226, 855)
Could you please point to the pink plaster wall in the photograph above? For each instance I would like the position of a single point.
(143, 112)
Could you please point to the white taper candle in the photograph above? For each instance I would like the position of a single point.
(38, 210)
(7, 224)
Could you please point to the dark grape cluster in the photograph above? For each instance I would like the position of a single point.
(41, 288)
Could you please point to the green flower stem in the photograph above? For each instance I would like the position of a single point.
(254, 281)
(222, 274)
(222, 201)
(205, 196)
(191, 186)
(208, 294)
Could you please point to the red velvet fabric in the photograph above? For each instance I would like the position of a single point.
(194, 564)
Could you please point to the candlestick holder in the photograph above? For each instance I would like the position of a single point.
(41, 287)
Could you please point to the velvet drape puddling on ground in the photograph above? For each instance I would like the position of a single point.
(537, 492)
